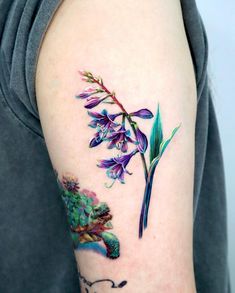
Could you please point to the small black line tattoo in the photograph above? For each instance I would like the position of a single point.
(112, 283)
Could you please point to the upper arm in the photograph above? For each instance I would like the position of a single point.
(140, 50)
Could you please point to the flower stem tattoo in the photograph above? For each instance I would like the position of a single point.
(120, 130)
(89, 219)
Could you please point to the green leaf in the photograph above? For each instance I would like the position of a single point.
(75, 218)
(83, 200)
(83, 220)
(148, 188)
(88, 209)
(156, 136)
(165, 143)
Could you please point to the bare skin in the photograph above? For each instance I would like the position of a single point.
(141, 51)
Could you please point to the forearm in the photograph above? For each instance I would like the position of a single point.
(140, 51)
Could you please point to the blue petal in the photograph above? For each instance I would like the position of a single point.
(104, 112)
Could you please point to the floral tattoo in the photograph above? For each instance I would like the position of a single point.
(89, 219)
(120, 130)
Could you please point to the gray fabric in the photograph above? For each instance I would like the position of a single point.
(36, 253)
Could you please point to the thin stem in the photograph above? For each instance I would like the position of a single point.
(131, 122)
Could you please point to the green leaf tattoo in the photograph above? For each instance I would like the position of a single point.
(148, 187)
(156, 136)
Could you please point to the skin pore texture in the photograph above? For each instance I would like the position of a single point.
(139, 49)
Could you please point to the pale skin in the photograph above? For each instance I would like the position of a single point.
(140, 49)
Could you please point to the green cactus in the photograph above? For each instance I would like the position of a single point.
(88, 218)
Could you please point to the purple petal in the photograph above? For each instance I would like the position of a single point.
(121, 178)
(143, 113)
(116, 172)
(111, 144)
(129, 139)
(113, 116)
(92, 102)
(124, 147)
(124, 160)
(106, 163)
(107, 126)
(142, 141)
(95, 141)
(94, 114)
(82, 96)
(120, 175)
(113, 135)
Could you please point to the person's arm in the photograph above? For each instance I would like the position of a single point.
(131, 222)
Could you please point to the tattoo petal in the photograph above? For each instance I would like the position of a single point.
(142, 141)
(116, 167)
(142, 113)
(120, 139)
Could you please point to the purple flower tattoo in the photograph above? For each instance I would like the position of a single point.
(121, 132)
(116, 167)
(104, 123)
(120, 139)
(103, 120)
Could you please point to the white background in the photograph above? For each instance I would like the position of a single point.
(219, 20)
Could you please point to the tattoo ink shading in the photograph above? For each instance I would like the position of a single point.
(89, 219)
(120, 131)
(90, 284)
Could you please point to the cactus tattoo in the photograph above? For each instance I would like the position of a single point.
(89, 219)
(121, 131)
